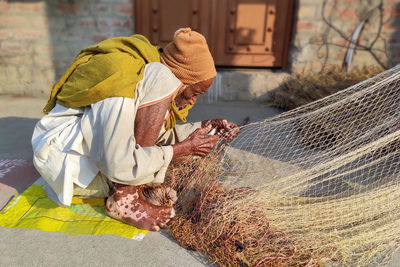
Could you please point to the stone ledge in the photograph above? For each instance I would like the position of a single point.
(244, 85)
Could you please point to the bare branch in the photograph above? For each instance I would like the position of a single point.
(378, 34)
(366, 16)
(331, 24)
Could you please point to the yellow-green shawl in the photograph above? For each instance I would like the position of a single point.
(176, 114)
(111, 68)
(108, 69)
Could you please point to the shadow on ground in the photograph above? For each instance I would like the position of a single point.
(16, 168)
(15, 137)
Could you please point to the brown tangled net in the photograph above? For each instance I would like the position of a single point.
(213, 220)
(316, 185)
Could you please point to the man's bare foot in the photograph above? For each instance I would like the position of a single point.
(128, 204)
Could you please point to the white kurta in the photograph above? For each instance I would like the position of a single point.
(71, 145)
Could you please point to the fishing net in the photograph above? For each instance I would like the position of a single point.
(313, 186)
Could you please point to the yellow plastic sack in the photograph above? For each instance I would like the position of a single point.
(34, 210)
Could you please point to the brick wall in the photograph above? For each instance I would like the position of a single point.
(316, 44)
(40, 38)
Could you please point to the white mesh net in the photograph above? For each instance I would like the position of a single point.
(313, 185)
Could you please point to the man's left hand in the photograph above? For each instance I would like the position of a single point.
(225, 129)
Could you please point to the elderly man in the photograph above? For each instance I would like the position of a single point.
(110, 128)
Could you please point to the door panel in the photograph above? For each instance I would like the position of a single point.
(247, 22)
(172, 18)
(159, 19)
(248, 29)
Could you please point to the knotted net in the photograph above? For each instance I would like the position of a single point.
(313, 186)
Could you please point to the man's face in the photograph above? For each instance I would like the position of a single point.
(189, 94)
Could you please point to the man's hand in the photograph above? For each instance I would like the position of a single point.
(197, 143)
(225, 129)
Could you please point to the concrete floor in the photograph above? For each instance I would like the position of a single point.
(24, 247)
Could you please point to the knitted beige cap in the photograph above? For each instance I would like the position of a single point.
(188, 57)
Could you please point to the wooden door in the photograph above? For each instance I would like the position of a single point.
(159, 19)
(246, 33)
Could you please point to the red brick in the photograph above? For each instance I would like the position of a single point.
(392, 12)
(17, 60)
(44, 60)
(30, 34)
(30, 7)
(347, 13)
(25, 75)
(380, 42)
(369, 28)
(390, 27)
(4, 6)
(39, 21)
(329, 11)
(101, 8)
(15, 48)
(84, 10)
(123, 23)
(68, 9)
(6, 33)
(387, 11)
(12, 20)
(104, 23)
(87, 22)
(302, 25)
(21, 21)
(128, 24)
(306, 12)
(332, 66)
(317, 40)
(314, 67)
(340, 41)
(43, 49)
(320, 53)
(124, 10)
(50, 76)
(117, 23)
(341, 55)
(297, 68)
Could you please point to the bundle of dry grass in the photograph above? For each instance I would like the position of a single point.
(301, 89)
(270, 198)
